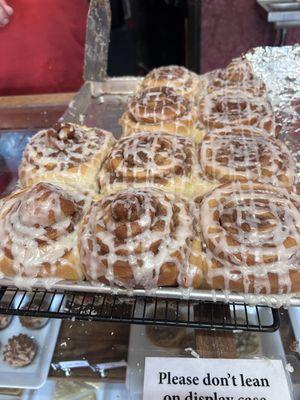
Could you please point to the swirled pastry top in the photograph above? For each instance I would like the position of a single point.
(244, 153)
(183, 81)
(64, 149)
(251, 237)
(238, 75)
(217, 80)
(38, 228)
(146, 157)
(160, 104)
(238, 70)
(139, 237)
(222, 109)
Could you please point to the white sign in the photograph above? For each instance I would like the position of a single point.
(214, 379)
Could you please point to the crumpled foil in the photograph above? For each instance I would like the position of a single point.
(279, 68)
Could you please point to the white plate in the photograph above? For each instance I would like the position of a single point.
(34, 375)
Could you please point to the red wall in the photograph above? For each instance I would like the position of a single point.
(231, 27)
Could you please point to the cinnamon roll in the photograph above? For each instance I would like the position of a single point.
(217, 80)
(238, 70)
(222, 110)
(141, 238)
(183, 81)
(67, 153)
(158, 160)
(243, 154)
(251, 238)
(38, 232)
(161, 109)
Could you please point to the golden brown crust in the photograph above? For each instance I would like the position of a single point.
(150, 160)
(251, 238)
(183, 81)
(141, 238)
(65, 154)
(38, 231)
(237, 76)
(242, 154)
(223, 109)
(161, 110)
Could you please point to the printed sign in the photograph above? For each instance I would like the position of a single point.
(214, 379)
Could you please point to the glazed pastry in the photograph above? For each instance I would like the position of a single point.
(183, 81)
(5, 320)
(141, 238)
(222, 110)
(158, 160)
(65, 154)
(251, 238)
(216, 80)
(161, 109)
(239, 70)
(19, 351)
(38, 232)
(238, 75)
(34, 322)
(242, 154)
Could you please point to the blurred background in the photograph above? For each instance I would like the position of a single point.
(42, 42)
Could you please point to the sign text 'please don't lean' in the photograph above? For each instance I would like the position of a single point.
(214, 379)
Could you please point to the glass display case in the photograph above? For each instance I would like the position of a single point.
(92, 341)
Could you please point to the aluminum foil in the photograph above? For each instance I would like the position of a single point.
(279, 68)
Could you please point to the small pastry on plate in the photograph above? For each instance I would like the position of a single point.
(30, 322)
(5, 320)
(19, 351)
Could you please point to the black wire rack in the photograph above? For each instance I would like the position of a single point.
(137, 310)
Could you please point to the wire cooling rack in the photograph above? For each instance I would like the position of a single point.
(138, 310)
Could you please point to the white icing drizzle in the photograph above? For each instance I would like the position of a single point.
(223, 109)
(38, 227)
(160, 109)
(183, 81)
(244, 153)
(158, 104)
(145, 158)
(238, 75)
(62, 150)
(251, 237)
(131, 236)
(144, 237)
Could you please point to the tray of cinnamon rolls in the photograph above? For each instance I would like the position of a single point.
(196, 199)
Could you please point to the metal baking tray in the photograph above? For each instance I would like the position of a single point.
(275, 301)
(102, 104)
